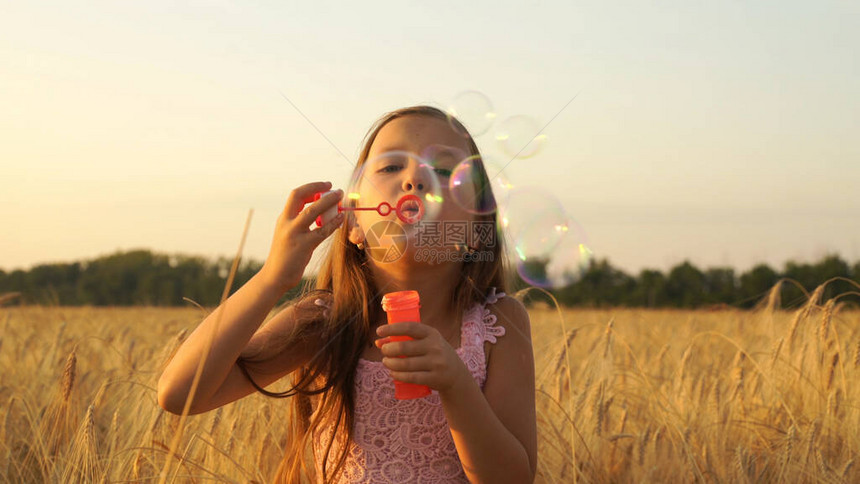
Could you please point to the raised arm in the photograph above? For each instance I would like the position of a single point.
(232, 325)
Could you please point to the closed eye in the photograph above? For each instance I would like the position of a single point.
(389, 169)
(444, 172)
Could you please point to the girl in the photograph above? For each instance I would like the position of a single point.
(472, 346)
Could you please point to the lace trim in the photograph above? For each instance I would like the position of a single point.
(491, 331)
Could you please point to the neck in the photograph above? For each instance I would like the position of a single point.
(434, 283)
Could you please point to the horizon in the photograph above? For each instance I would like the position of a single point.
(738, 271)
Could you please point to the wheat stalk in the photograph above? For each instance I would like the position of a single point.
(857, 355)
(846, 469)
(774, 355)
(826, 317)
(790, 437)
(831, 372)
(68, 379)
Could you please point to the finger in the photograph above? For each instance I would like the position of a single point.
(404, 348)
(317, 208)
(321, 233)
(417, 363)
(302, 195)
(381, 342)
(409, 328)
(417, 377)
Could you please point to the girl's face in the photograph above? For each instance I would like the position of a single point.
(386, 181)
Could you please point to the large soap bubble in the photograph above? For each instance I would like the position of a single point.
(560, 267)
(550, 249)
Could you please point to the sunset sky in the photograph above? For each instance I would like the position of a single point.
(725, 133)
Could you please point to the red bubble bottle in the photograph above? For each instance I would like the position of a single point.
(402, 306)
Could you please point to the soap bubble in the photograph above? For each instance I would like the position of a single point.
(525, 206)
(536, 221)
(474, 110)
(520, 136)
(560, 267)
(463, 176)
(470, 187)
(549, 247)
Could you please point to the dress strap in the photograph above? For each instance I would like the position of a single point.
(493, 297)
(490, 332)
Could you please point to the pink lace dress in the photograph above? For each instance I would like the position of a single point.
(408, 441)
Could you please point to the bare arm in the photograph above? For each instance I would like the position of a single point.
(231, 326)
(496, 431)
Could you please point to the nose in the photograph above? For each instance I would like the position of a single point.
(414, 179)
(408, 186)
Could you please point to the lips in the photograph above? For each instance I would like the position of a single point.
(410, 207)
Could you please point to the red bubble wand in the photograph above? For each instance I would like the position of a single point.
(409, 209)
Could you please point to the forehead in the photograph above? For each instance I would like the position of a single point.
(414, 133)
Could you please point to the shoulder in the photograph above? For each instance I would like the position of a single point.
(514, 346)
(511, 315)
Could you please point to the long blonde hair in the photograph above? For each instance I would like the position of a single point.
(355, 303)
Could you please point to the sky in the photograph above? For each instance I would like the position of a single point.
(723, 133)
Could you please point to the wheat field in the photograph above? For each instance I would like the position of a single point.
(624, 395)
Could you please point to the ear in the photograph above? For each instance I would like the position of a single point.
(356, 235)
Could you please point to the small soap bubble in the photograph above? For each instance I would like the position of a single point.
(474, 110)
(471, 188)
(520, 137)
(464, 176)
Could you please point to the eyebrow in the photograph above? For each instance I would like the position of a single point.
(443, 149)
(393, 148)
(446, 150)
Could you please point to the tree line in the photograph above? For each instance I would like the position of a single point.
(136, 277)
(687, 286)
(142, 277)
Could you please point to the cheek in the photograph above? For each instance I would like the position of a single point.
(364, 220)
(378, 192)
